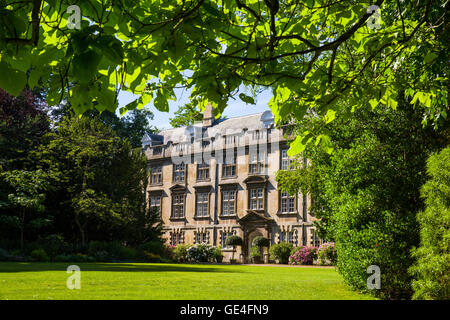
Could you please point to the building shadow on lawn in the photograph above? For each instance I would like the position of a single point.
(15, 267)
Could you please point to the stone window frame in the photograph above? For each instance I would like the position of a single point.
(156, 174)
(203, 190)
(258, 198)
(233, 189)
(289, 235)
(285, 157)
(260, 163)
(202, 235)
(176, 238)
(178, 195)
(280, 204)
(175, 170)
(233, 166)
(156, 194)
(224, 234)
(200, 167)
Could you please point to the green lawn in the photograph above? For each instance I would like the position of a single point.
(171, 281)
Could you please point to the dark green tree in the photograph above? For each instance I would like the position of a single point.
(367, 191)
(99, 178)
(432, 270)
(25, 201)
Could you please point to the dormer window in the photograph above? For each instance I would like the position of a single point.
(257, 135)
(231, 140)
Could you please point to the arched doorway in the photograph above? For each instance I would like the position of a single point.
(251, 237)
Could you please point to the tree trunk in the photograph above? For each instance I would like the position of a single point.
(22, 227)
(82, 232)
(21, 238)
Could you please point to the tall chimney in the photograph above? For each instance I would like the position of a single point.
(208, 116)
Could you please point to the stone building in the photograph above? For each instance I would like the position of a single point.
(217, 179)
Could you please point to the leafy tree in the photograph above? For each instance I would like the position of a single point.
(315, 55)
(233, 241)
(23, 123)
(186, 115)
(432, 269)
(367, 191)
(99, 179)
(132, 125)
(25, 200)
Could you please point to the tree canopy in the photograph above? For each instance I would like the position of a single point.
(312, 54)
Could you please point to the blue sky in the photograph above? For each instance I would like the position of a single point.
(235, 107)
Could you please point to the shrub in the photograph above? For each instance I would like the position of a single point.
(156, 247)
(327, 254)
(233, 241)
(98, 248)
(217, 253)
(280, 252)
(4, 255)
(295, 249)
(53, 244)
(200, 253)
(152, 257)
(305, 255)
(261, 242)
(127, 253)
(180, 252)
(39, 255)
(255, 252)
(432, 269)
(107, 251)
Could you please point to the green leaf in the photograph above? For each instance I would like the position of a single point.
(11, 80)
(246, 99)
(84, 65)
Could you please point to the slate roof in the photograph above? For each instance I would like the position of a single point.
(228, 126)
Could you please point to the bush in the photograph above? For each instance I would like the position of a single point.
(180, 252)
(108, 251)
(233, 241)
(156, 247)
(281, 252)
(53, 244)
(74, 258)
(4, 255)
(152, 257)
(255, 252)
(39, 255)
(200, 253)
(295, 249)
(217, 254)
(432, 269)
(305, 256)
(327, 254)
(261, 242)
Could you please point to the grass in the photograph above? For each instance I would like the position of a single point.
(172, 281)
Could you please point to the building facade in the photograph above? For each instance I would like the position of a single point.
(217, 179)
